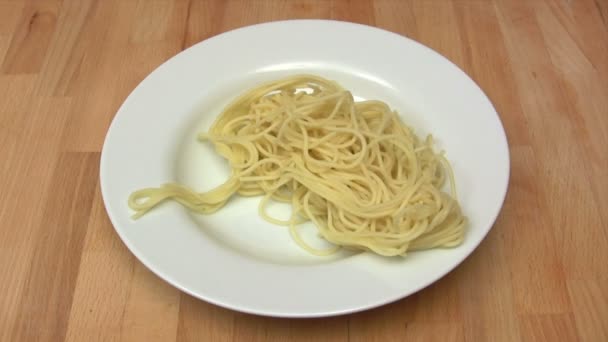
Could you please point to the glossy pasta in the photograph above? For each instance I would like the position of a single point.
(352, 168)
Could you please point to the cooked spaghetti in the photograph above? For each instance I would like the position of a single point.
(352, 168)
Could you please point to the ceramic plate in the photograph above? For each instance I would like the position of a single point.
(234, 258)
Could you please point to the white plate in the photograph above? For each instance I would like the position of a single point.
(235, 259)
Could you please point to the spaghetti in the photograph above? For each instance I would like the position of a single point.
(352, 168)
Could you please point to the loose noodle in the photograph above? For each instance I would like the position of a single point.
(352, 168)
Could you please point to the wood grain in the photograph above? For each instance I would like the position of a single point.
(67, 65)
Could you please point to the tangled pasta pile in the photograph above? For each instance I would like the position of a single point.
(352, 168)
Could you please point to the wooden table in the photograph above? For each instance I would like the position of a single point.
(66, 66)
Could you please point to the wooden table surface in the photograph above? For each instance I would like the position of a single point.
(67, 65)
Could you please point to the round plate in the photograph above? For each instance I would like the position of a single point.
(234, 258)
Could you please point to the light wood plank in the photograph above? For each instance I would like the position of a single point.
(123, 62)
(581, 65)
(386, 323)
(549, 327)
(8, 22)
(48, 290)
(255, 328)
(32, 37)
(396, 16)
(104, 282)
(590, 301)
(562, 159)
(356, 11)
(540, 285)
(71, 18)
(31, 134)
(201, 321)
(151, 312)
